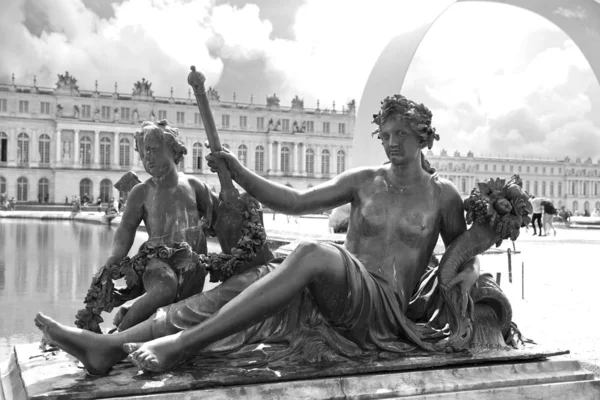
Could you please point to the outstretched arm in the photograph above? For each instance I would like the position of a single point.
(333, 193)
(125, 234)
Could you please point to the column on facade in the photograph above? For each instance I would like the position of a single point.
(302, 158)
(96, 161)
(115, 160)
(318, 160)
(269, 155)
(276, 157)
(293, 158)
(34, 148)
(76, 149)
(251, 155)
(136, 158)
(58, 144)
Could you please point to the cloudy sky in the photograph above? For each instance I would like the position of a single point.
(499, 80)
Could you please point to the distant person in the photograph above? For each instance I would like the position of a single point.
(565, 214)
(596, 212)
(76, 209)
(586, 213)
(12, 203)
(40, 198)
(549, 214)
(3, 201)
(99, 204)
(85, 199)
(46, 198)
(537, 214)
(66, 200)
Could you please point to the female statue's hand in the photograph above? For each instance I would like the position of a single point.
(221, 160)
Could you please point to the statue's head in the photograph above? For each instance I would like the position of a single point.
(160, 147)
(415, 117)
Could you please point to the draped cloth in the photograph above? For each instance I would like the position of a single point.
(372, 324)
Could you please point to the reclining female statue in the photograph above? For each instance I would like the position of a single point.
(355, 297)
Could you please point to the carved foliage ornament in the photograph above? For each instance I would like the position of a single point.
(67, 82)
(142, 88)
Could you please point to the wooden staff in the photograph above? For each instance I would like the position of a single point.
(196, 80)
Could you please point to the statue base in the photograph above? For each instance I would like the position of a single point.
(510, 374)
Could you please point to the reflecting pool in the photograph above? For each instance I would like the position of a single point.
(48, 266)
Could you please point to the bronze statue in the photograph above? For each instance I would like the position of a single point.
(374, 295)
(167, 267)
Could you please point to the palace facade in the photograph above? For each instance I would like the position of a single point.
(59, 142)
(572, 183)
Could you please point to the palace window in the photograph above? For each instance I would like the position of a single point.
(552, 170)
(105, 190)
(85, 188)
(544, 170)
(85, 150)
(536, 170)
(2, 105)
(197, 119)
(551, 188)
(162, 114)
(125, 114)
(463, 185)
(325, 127)
(342, 128)
(503, 168)
(310, 126)
(86, 111)
(535, 188)
(105, 152)
(43, 189)
(260, 123)
(585, 187)
(573, 188)
(543, 188)
(520, 169)
(560, 170)
(105, 112)
(23, 148)
(559, 189)
(44, 148)
(310, 161)
(124, 152)
(3, 147)
(180, 117)
(528, 168)
(243, 154)
(596, 189)
(285, 160)
(325, 162)
(259, 159)
(22, 186)
(485, 167)
(23, 106)
(197, 157)
(341, 161)
(494, 167)
(512, 168)
(225, 121)
(2, 185)
(285, 125)
(527, 187)
(45, 107)
(243, 122)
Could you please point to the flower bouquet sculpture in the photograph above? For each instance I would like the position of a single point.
(496, 210)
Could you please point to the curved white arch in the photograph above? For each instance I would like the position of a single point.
(389, 71)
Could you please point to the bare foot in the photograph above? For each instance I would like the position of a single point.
(156, 355)
(95, 351)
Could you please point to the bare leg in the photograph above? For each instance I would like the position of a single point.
(318, 267)
(97, 352)
(160, 282)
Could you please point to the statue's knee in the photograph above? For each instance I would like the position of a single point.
(308, 248)
(160, 279)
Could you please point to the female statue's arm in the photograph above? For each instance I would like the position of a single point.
(333, 193)
(453, 225)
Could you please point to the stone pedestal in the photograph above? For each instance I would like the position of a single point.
(527, 373)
